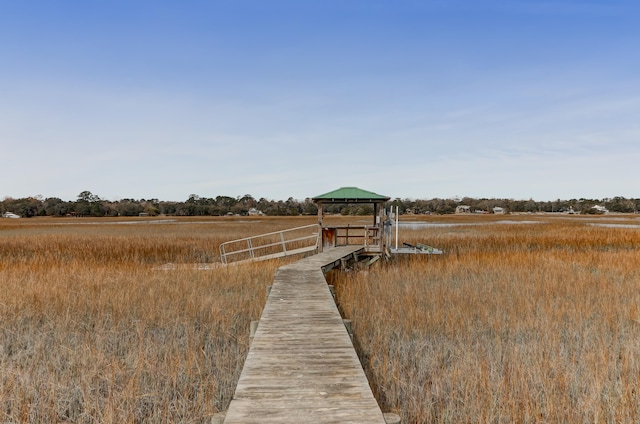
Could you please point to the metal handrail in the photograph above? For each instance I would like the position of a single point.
(253, 250)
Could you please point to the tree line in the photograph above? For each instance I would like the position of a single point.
(89, 204)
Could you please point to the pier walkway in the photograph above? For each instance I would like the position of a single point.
(301, 366)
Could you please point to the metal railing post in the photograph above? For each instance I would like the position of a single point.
(284, 245)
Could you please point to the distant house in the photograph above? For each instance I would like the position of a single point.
(254, 212)
(10, 215)
(499, 211)
(463, 209)
(600, 209)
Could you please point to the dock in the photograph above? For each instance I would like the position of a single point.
(302, 366)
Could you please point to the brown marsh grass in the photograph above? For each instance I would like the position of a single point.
(516, 322)
(91, 332)
(533, 320)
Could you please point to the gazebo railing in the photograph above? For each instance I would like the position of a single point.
(347, 235)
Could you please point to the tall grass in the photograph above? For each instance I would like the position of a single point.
(91, 331)
(516, 323)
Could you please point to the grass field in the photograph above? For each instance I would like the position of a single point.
(524, 319)
(91, 332)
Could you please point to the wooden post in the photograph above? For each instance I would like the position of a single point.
(391, 418)
(320, 248)
(375, 213)
(381, 234)
(218, 418)
(320, 213)
(349, 327)
(253, 327)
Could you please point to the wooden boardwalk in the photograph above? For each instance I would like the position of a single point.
(302, 367)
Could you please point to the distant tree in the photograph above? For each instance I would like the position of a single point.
(239, 209)
(309, 208)
(226, 201)
(530, 206)
(128, 207)
(513, 205)
(449, 207)
(89, 204)
(248, 201)
(400, 204)
(87, 196)
(421, 206)
(26, 207)
(167, 208)
(364, 210)
(150, 207)
(620, 204)
(54, 206)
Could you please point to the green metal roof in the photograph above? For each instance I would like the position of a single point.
(350, 195)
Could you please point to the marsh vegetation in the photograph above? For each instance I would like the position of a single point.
(532, 321)
(537, 320)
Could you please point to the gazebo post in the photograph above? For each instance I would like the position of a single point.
(375, 214)
(320, 235)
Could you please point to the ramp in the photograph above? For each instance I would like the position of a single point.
(278, 244)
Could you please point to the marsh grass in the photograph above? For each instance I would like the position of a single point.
(91, 331)
(531, 322)
(520, 322)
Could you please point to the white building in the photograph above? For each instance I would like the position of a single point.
(600, 209)
(10, 215)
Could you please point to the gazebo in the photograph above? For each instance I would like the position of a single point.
(370, 236)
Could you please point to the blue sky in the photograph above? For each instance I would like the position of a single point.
(293, 98)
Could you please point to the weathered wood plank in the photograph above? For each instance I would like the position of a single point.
(301, 366)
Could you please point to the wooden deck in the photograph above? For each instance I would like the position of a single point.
(302, 367)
